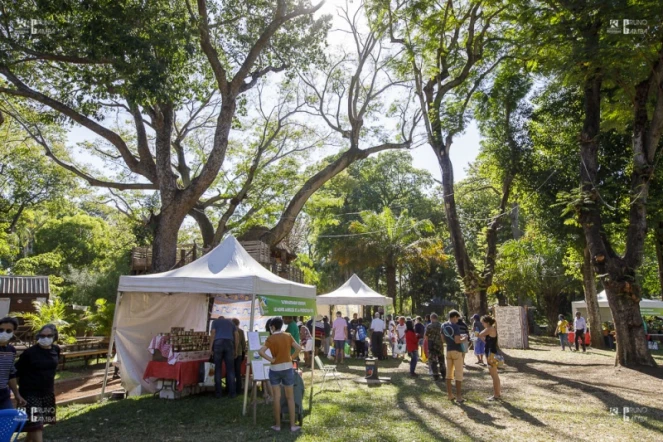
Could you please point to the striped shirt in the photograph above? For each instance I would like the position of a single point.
(7, 369)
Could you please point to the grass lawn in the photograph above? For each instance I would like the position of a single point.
(548, 395)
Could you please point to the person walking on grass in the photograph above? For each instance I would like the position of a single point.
(280, 371)
(562, 331)
(7, 370)
(579, 325)
(433, 341)
(412, 346)
(360, 342)
(489, 336)
(479, 344)
(400, 335)
(453, 338)
(340, 332)
(377, 333)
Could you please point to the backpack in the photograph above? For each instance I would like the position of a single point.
(361, 333)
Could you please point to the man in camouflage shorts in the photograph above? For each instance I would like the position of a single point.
(433, 337)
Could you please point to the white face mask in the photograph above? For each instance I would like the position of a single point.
(6, 336)
(45, 342)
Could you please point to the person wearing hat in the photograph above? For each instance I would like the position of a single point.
(479, 345)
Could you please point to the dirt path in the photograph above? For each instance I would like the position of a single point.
(77, 387)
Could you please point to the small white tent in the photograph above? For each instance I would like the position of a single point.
(151, 304)
(354, 292)
(647, 307)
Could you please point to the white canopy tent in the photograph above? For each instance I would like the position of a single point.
(647, 307)
(151, 304)
(354, 292)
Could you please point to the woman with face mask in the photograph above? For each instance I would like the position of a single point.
(36, 375)
(7, 370)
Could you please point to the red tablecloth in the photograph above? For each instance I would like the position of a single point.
(185, 373)
(572, 336)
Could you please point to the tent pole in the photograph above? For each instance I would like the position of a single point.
(248, 363)
(310, 398)
(110, 344)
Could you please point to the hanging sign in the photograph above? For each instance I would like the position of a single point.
(271, 305)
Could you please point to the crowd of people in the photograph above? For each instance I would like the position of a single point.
(417, 338)
(31, 378)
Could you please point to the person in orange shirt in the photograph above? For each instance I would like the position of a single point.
(281, 371)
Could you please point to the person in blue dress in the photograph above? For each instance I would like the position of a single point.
(479, 345)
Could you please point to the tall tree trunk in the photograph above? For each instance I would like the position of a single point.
(390, 271)
(658, 239)
(477, 300)
(205, 225)
(593, 313)
(164, 247)
(618, 274)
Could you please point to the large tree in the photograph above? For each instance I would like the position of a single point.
(145, 62)
(451, 50)
(625, 96)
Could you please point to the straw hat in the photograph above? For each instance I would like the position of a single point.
(318, 318)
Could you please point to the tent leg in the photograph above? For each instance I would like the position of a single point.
(111, 341)
(248, 363)
(310, 398)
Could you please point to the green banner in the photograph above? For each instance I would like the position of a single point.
(272, 305)
(651, 311)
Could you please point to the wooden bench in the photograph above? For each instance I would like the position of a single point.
(85, 354)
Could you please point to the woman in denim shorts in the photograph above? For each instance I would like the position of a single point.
(281, 371)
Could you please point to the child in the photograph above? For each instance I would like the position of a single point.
(412, 346)
(479, 345)
(360, 342)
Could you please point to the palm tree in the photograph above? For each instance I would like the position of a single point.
(382, 239)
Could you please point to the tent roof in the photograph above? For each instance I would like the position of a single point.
(227, 269)
(602, 297)
(354, 292)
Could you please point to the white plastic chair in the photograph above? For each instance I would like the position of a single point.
(328, 370)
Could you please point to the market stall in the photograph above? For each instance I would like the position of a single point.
(353, 292)
(150, 304)
(648, 307)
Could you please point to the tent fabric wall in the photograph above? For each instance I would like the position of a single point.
(140, 317)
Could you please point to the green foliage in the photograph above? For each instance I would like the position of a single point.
(54, 311)
(101, 319)
(79, 239)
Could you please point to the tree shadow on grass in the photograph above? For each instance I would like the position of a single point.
(521, 414)
(607, 397)
(481, 417)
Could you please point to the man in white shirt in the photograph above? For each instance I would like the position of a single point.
(580, 325)
(377, 331)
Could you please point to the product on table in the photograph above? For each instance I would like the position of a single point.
(182, 340)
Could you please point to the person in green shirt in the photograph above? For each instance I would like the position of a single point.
(292, 329)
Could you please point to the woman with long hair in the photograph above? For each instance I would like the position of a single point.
(489, 336)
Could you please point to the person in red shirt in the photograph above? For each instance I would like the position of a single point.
(412, 346)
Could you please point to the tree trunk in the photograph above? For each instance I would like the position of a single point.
(390, 271)
(164, 247)
(658, 239)
(477, 302)
(593, 313)
(617, 273)
(205, 225)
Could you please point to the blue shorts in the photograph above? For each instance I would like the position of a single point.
(339, 345)
(285, 377)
